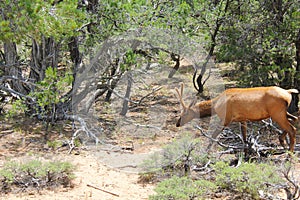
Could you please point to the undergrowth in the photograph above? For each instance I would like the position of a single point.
(185, 171)
(35, 175)
(248, 181)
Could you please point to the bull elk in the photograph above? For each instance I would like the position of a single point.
(242, 105)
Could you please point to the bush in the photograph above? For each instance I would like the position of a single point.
(35, 174)
(248, 178)
(176, 158)
(45, 97)
(246, 181)
(182, 188)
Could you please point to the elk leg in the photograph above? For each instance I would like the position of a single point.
(291, 117)
(287, 127)
(244, 135)
(282, 138)
(292, 135)
(244, 131)
(215, 134)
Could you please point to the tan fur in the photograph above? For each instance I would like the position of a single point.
(246, 104)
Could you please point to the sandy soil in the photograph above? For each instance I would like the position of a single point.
(96, 169)
(90, 175)
(100, 174)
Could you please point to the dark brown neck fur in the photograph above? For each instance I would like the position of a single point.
(205, 108)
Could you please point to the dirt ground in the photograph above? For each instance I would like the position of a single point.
(100, 173)
(105, 172)
(90, 174)
(102, 167)
(113, 168)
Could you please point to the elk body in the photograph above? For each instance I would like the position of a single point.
(245, 104)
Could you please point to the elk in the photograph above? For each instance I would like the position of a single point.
(242, 105)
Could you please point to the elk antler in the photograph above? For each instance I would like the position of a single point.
(180, 95)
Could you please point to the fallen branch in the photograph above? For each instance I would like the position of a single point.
(141, 125)
(292, 192)
(197, 169)
(97, 188)
(217, 141)
(269, 123)
(83, 128)
(253, 144)
(152, 92)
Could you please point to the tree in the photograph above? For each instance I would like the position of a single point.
(40, 29)
(260, 38)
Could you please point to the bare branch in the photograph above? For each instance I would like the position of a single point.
(294, 192)
(16, 93)
(83, 128)
(218, 141)
(97, 188)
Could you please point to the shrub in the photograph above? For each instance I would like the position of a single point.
(248, 178)
(177, 157)
(245, 181)
(35, 174)
(182, 188)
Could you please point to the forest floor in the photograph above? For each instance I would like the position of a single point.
(113, 166)
(108, 171)
(90, 169)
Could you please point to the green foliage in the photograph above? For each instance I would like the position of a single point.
(8, 170)
(50, 89)
(130, 59)
(248, 178)
(18, 107)
(54, 144)
(35, 168)
(244, 181)
(115, 17)
(259, 41)
(36, 18)
(49, 92)
(175, 156)
(182, 189)
(258, 35)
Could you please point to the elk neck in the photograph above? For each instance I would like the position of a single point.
(204, 108)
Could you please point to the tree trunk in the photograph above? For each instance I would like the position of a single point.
(297, 75)
(75, 55)
(213, 37)
(12, 68)
(43, 55)
(112, 82)
(127, 95)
